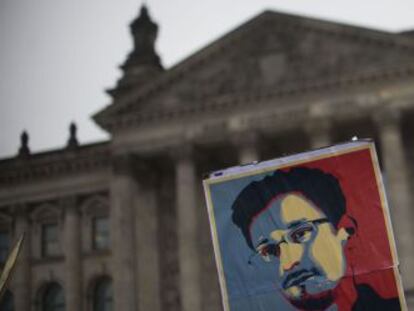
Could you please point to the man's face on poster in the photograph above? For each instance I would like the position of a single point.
(307, 251)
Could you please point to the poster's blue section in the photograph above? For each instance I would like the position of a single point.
(250, 282)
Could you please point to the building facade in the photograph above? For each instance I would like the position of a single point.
(122, 225)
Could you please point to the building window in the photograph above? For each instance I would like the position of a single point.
(6, 303)
(50, 240)
(103, 295)
(53, 298)
(100, 233)
(4, 246)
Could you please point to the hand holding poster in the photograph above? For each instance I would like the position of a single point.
(306, 232)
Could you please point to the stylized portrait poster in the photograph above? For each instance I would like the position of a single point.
(305, 232)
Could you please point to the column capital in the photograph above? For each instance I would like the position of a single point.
(123, 164)
(181, 152)
(245, 138)
(318, 130)
(247, 144)
(320, 110)
(318, 126)
(142, 170)
(68, 202)
(388, 116)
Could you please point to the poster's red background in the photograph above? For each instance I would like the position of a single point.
(368, 252)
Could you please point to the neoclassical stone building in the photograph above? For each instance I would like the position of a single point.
(122, 225)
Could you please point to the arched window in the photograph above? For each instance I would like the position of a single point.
(102, 295)
(6, 302)
(53, 298)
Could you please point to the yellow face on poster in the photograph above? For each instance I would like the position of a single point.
(304, 234)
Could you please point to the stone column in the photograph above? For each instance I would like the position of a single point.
(246, 143)
(22, 275)
(396, 182)
(187, 227)
(72, 250)
(318, 131)
(122, 216)
(147, 242)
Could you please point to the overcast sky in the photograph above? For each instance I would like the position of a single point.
(57, 57)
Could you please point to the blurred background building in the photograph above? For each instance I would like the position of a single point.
(122, 225)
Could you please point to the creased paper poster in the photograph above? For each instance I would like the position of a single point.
(305, 232)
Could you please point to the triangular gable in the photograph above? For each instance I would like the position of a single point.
(270, 51)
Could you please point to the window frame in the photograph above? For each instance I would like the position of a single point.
(46, 214)
(95, 206)
(95, 242)
(45, 242)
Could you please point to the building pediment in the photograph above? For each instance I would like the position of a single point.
(272, 53)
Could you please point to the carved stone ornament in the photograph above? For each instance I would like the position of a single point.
(46, 212)
(95, 205)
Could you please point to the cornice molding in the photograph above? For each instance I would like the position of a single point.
(260, 97)
(54, 164)
(387, 117)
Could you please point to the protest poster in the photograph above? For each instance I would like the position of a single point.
(310, 231)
